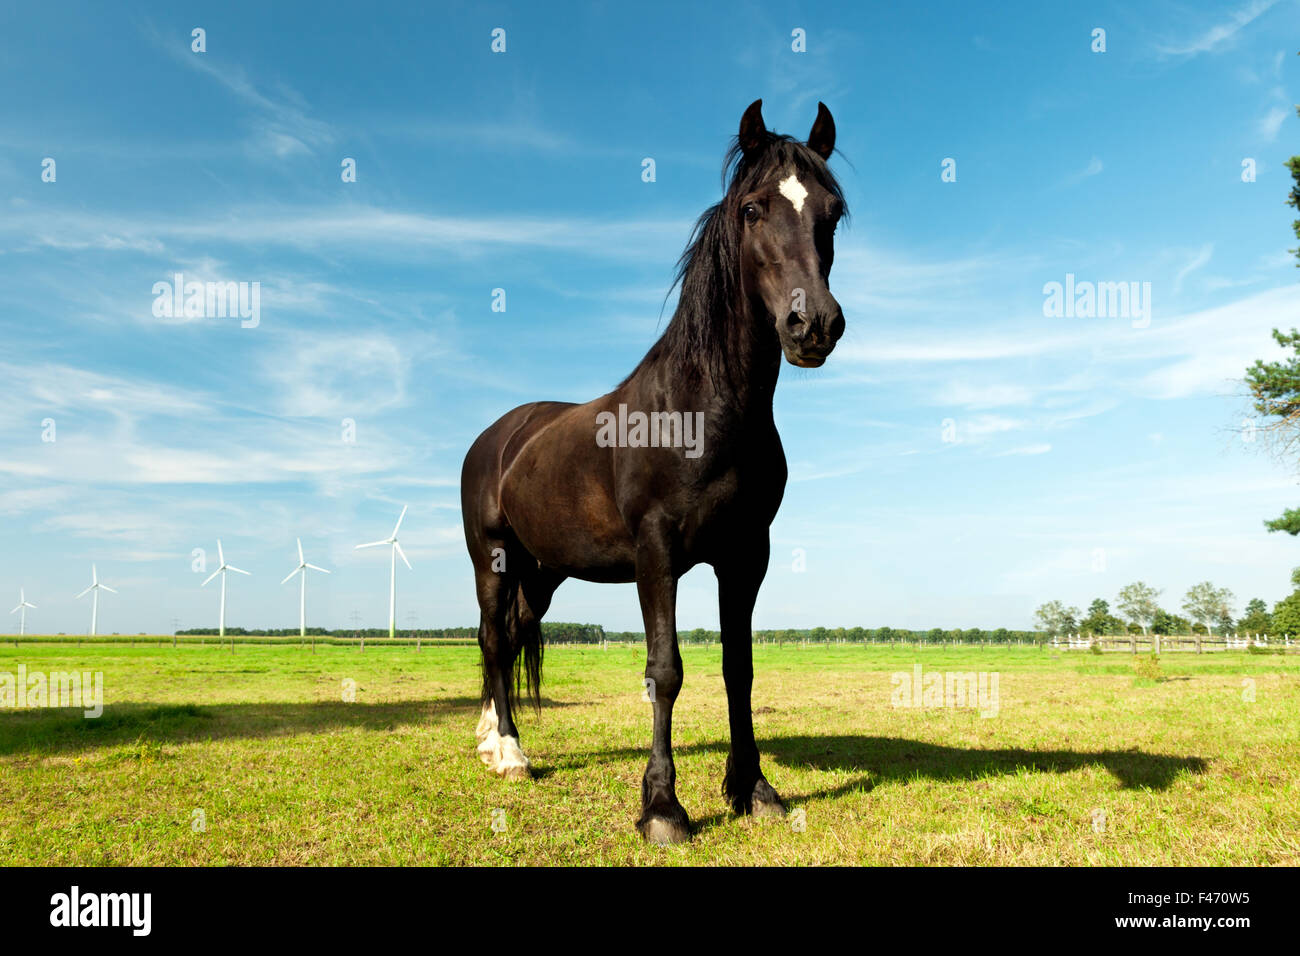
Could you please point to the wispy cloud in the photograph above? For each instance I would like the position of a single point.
(1039, 449)
(984, 396)
(128, 432)
(353, 227)
(280, 122)
(1094, 168)
(1200, 259)
(1272, 122)
(1196, 352)
(1220, 35)
(339, 375)
(982, 426)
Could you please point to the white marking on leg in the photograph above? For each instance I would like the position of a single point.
(502, 755)
(489, 748)
(794, 191)
(511, 761)
(487, 722)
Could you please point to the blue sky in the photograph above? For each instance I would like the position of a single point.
(1089, 453)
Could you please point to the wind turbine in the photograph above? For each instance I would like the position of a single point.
(302, 568)
(23, 605)
(93, 590)
(392, 576)
(222, 571)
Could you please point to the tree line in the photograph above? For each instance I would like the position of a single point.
(560, 632)
(1206, 610)
(854, 635)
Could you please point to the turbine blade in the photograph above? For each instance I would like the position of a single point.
(301, 559)
(108, 589)
(290, 575)
(85, 592)
(231, 567)
(17, 609)
(210, 577)
(314, 568)
(94, 574)
(402, 554)
(29, 604)
(221, 558)
(399, 521)
(372, 544)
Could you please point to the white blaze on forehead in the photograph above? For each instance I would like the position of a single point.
(793, 190)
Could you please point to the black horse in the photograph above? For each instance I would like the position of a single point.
(679, 465)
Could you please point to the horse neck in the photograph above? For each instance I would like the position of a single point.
(734, 384)
(753, 363)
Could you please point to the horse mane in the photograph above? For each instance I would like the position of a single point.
(702, 337)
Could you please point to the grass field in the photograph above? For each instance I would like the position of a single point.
(1086, 761)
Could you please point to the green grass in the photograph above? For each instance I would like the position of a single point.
(1185, 768)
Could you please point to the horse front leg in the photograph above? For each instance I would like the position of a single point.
(744, 785)
(663, 820)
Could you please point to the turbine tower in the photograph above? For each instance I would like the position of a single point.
(392, 574)
(221, 557)
(93, 590)
(21, 611)
(302, 569)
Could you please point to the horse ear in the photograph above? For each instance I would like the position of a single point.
(753, 131)
(822, 138)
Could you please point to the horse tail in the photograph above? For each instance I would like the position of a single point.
(525, 634)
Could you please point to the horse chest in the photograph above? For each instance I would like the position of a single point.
(744, 496)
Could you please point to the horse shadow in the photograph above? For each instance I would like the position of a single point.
(46, 732)
(872, 760)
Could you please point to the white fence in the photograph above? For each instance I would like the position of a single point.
(1170, 642)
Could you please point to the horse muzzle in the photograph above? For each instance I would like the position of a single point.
(807, 342)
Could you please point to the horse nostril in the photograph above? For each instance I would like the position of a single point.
(837, 327)
(795, 325)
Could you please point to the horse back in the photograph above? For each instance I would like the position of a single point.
(491, 455)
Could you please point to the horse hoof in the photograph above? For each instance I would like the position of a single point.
(766, 802)
(504, 757)
(664, 826)
(662, 832)
(517, 772)
(760, 800)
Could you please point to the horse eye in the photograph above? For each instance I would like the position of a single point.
(750, 213)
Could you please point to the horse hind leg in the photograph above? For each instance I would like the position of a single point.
(500, 752)
(524, 632)
(524, 615)
(496, 735)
